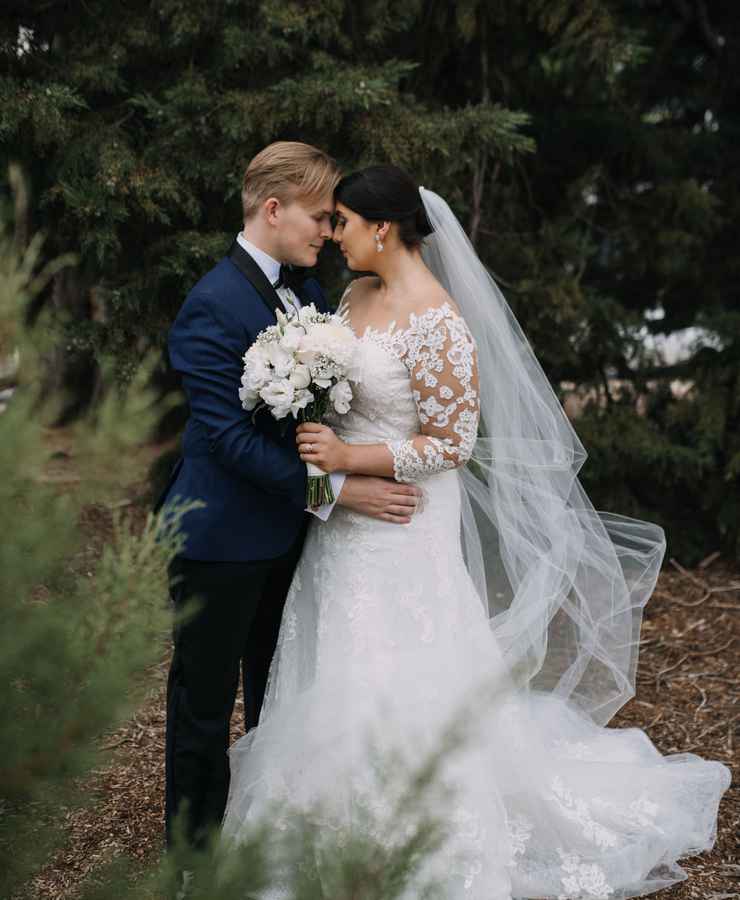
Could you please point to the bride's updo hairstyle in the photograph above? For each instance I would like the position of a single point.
(386, 194)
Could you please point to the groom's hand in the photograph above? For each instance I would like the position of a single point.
(380, 498)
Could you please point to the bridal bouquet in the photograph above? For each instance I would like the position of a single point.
(301, 366)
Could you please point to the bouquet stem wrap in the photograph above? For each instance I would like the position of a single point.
(318, 489)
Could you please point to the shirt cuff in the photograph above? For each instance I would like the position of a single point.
(337, 482)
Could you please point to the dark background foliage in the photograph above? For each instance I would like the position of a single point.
(589, 148)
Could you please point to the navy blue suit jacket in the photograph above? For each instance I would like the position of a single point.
(248, 474)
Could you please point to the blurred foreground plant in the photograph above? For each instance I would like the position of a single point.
(73, 653)
(72, 648)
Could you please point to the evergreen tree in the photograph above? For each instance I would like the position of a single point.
(133, 122)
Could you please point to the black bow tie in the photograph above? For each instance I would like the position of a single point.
(289, 277)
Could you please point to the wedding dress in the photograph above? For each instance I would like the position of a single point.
(386, 639)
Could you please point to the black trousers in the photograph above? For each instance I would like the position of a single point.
(236, 625)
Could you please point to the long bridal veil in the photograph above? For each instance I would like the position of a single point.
(564, 585)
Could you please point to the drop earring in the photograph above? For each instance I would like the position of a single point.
(379, 243)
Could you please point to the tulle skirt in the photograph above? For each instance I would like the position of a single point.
(386, 660)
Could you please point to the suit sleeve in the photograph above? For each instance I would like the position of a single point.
(206, 350)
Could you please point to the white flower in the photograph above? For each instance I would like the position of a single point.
(291, 339)
(256, 375)
(331, 339)
(300, 377)
(279, 396)
(281, 317)
(256, 353)
(280, 359)
(300, 401)
(248, 398)
(341, 396)
(308, 314)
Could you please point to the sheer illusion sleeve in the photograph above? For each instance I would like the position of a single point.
(441, 359)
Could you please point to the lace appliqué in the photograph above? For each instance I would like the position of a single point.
(640, 814)
(577, 811)
(582, 879)
(439, 352)
(520, 832)
(409, 466)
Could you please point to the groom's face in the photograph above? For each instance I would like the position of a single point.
(302, 227)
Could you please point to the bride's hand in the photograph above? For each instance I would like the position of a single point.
(319, 445)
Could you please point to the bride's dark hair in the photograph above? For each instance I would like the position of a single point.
(386, 194)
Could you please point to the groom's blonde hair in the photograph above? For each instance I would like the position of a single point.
(288, 170)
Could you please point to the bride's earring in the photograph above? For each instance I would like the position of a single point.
(379, 243)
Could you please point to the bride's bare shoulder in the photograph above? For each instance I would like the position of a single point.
(430, 296)
(363, 285)
(358, 289)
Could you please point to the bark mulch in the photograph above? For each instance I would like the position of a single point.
(686, 701)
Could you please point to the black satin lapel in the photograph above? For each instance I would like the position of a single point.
(249, 268)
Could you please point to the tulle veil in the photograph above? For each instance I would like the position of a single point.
(564, 585)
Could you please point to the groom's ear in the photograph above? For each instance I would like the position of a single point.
(271, 206)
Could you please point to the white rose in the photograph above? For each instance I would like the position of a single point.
(341, 396)
(300, 377)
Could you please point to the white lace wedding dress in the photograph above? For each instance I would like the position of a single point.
(384, 641)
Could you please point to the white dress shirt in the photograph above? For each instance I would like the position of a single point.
(271, 268)
(291, 303)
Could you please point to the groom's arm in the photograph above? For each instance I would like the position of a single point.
(380, 498)
(205, 348)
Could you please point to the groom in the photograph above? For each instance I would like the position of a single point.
(242, 547)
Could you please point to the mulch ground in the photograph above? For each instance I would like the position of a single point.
(686, 701)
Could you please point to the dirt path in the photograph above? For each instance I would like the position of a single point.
(686, 701)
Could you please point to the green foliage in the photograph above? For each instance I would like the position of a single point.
(72, 647)
(133, 123)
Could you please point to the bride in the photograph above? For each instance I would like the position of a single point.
(507, 603)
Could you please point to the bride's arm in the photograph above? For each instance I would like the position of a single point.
(444, 383)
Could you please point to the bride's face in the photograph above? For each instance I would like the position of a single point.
(355, 237)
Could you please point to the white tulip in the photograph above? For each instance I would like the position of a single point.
(300, 377)
(307, 357)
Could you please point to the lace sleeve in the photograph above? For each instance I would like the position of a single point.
(441, 358)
